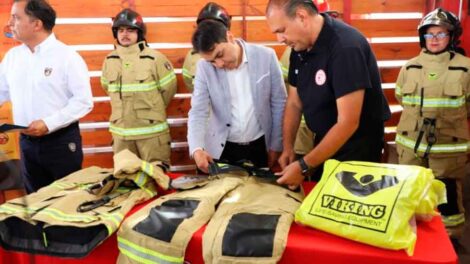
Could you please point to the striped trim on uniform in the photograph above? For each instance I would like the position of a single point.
(171, 76)
(138, 131)
(187, 74)
(285, 70)
(115, 218)
(133, 87)
(436, 148)
(14, 209)
(62, 216)
(456, 102)
(145, 255)
(397, 90)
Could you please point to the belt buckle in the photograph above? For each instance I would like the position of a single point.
(243, 143)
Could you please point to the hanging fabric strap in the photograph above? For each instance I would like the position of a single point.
(428, 127)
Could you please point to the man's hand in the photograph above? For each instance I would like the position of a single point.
(272, 157)
(286, 158)
(202, 159)
(37, 128)
(291, 176)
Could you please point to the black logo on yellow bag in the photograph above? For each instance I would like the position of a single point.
(367, 185)
(375, 211)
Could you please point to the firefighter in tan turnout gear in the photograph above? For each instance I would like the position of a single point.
(141, 83)
(434, 90)
(210, 11)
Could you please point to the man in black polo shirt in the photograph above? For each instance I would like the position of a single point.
(336, 84)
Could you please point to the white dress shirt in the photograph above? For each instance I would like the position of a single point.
(244, 126)
(50, 84)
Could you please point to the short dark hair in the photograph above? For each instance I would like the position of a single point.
(41, 10)
(290, 6)
(207, 34)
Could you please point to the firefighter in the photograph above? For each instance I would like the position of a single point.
(141, 83)
(434, 90)
(210, 11)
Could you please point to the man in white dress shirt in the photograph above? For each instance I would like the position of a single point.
(49, 87)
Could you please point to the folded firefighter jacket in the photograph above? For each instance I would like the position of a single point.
(248, 220)
(72, 216)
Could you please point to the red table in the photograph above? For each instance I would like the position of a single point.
(304, 245)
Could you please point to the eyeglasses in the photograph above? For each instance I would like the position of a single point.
(441, 35)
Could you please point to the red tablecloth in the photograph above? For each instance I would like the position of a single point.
(304, 245)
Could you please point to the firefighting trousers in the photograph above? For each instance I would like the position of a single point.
(303, 140)
(249, 220)
(464, 254)
(155, 148)
(49, 222)
(449, 168)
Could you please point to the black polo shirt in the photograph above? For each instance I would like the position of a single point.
(340, 62)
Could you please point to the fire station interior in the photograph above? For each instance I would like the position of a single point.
(390, 27)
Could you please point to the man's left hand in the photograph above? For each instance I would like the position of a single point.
(37, 128)
(291, 176)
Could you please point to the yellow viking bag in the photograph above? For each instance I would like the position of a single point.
(367, 202)
(435, 196)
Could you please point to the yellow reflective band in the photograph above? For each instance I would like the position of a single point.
(59, 215)
(435, 102)
(285, 71)
(150, 192)
(398, 90)
(104, 81)
(132, 87)
(44, 239)
(63, 185)
(9, 209)
(138, 130)
(147, 168)
(141, 179)
(453, 220)
(145, 255)
(187, 74)
(302, 119)
(167, 79)
(436, 148)
(115, 218)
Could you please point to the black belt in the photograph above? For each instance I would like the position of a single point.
(54, 134)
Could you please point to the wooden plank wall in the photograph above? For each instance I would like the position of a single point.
(382, 34)
(170, 25)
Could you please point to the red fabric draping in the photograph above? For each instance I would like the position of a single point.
(304, 245)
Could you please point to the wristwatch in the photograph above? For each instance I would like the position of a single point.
(303, 166)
